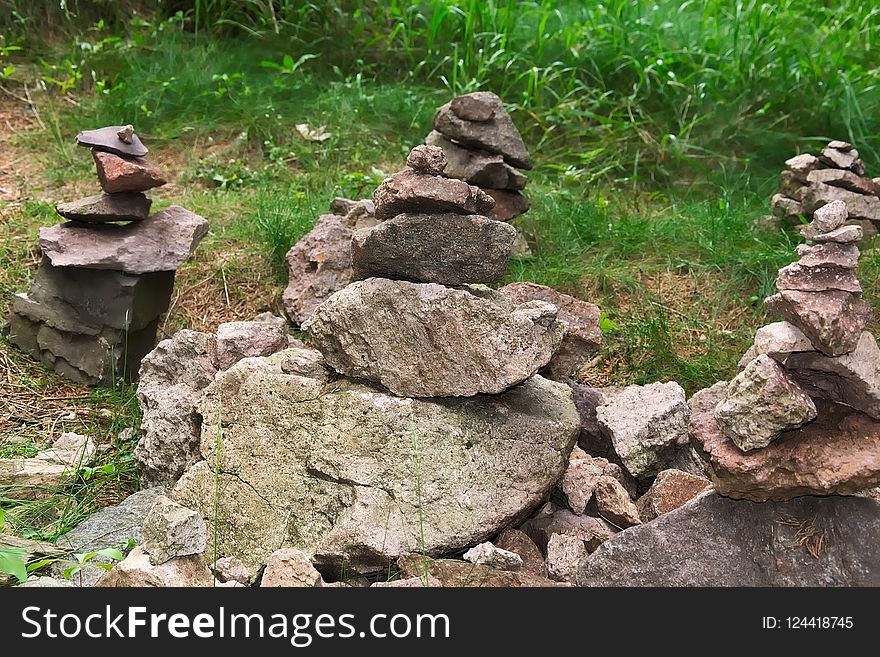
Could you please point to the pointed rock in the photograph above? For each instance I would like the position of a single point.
(614, 504)
(842, 155)
(125, 174)
(580, 479)
(779, 340)
(106, 208)
(833, 320)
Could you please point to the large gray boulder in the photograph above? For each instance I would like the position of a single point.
(715, 541)
(450, 249)
(427, 340)
(356, 477)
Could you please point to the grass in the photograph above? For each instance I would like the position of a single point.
(657, 131)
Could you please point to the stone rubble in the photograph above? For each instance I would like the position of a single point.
(171, 530)
(486, 554)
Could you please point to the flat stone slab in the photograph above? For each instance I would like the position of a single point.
(106, 208)
(713, 541)
(161, 242)
(411, 192)
(107, 139)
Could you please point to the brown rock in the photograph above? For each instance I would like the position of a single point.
(428, 160)
(791, 186)
(591, 530)
(475, 166)
(414, 193)
(106, 208)
(859, 206)
(508, 204)
(580, 479)
(583, 335)
(844, 235)
(670, 490)
(137, 571)
(587, 400)
(845, 157)
(126, 174)
(796, 276)
(265, 335)
(288, 567)
(513, 540)
(828, 254)
(836, 454)
(845, 179)
(472, 107)
(614, 503)
(786, 208)
(801, 165)
(833, 320)
(830, 216)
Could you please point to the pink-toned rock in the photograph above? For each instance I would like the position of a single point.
(564, 554)
(513, 540)
(791, 186)
(833, 320)
(583, 335)
(137, 571)
(409, 192)
(817, 279)
(580, 479)
(842, 155)
(836, 454)
(592, 531)
(231, 569)
(845, 179)
(670, 490)
(457, 574)
(828, 254)
(509, 203)
(614, 503)
(486, 170)
(264, 336)
(785, 207)
(427, 159)
(289, 567)
(801, 165)
(858, 206)
(126, 174)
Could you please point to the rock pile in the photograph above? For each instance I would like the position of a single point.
(483, 147)
(108, 273)
(803, 415)
(836, 174)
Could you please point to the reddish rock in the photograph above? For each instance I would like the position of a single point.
(580, 478)
(817, 279)
(410, 192)
(264, 336)
(670, 490)
(513, 540)
(126, 174)
(428, 160)
(592, 531)
(828, 254)
(508, 204)
(614, 503)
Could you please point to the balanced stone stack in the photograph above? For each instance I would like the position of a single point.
(483, 148)
(415, 322)
(107, 273)
(837, 174)
(803, 415)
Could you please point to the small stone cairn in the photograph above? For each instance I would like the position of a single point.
(803, 415)
(483, 147)
(836, 174)
(414, 321)
(107, 273)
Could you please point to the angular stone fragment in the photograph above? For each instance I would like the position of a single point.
(583, 335)
(474, 107)
(587, 400)
(580, 479)
(852, 379)
(779, 340)
(843, 158)
(828, 254)
(830, 216)
(289, 567)
(486, 554)
(137, 571)
(457, 574)
(796, 276)
(713, 541)
(162, 242)
(564, 555)
(106, 208)
(845, 179)
(508, 204)
(801, 165)
(762, 402)
(108, 140)
(791, 186)
(318, 265)
(843, 235)
(475, 166)
(126, 174)
(833, 320)
(592, 531)
(426, 340)
(263, 336)
(410, 192)
(513, 540)
(231, 569)
(71, 449)
(838, 453)
(429, 160)
(646, 424)
(614, 503)
(785, 207)
(859, 206)
(670, 490)
(350, 498)
(450, 249)
(171, 530)
(498, 134)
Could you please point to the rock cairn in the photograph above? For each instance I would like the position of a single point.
(414, 321)
(803, 415)
(107, 273)
(836, 174)
(483, 147)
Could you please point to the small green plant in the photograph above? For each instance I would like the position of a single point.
(12, 559)
(287, 68)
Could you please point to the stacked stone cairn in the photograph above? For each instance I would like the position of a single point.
(803, 415)
(836, 174)
(483, 148)
(107, 273)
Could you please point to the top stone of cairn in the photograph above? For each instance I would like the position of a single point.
(117, 139)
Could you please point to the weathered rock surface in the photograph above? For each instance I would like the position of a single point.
(513, 540)
(591, 530)
(582, 336)
(429, 160)
(670, 490)
(564, 555)
(126, 174)
(837, 453)
(496, 134)
(830, 216)
(580, 478)
(137, 571)
(845, 179)
(588, 399)
(476, 167)
(162, 242)
(833, 320)
(108, 140)
(646, 424)
(474, 107)
(844, 235)
(106, 208)
(486, 554)
(786, 208)
(450, 249)
(171, 530)
(852, 379)
(802, 165)
(713, 541)
(289, 567)
(172, 378)
(353, 496)
(231, 569)
(318, 265)
(858, 206)
(762, 402)
(409, 192)
(410, 583)
(842, 155)
(829, 254)
(779, 340)
(426, 340)
(263, 336)
(796, 276)
(614, 503)
(508, 203)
